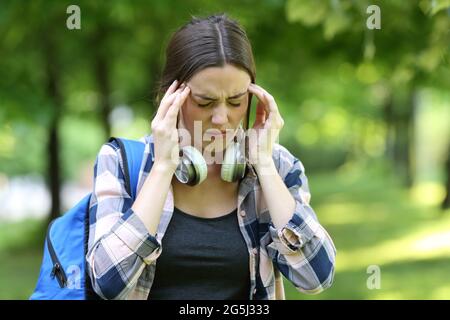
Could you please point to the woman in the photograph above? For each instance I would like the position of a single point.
(215, 239)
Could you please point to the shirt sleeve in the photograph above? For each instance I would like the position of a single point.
(119, 244)
(302, 249)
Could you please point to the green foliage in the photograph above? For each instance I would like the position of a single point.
(327, 72)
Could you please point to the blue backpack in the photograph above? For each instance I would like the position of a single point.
(63, 274)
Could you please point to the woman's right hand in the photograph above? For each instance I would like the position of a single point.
(164, 127)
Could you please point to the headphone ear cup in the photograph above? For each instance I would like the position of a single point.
(233, 166)
(192, 169)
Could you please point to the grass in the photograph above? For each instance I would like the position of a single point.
(21, 245)
(372, 220)
(18, 273)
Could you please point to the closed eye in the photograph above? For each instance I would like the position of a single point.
(209, 103)
(204, 105)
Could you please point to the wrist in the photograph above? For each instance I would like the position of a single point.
(164, 168)
(265, 165)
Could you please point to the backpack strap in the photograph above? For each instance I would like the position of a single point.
(132, 152)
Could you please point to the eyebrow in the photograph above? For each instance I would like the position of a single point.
(213, 99)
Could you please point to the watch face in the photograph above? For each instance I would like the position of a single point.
(182, 172)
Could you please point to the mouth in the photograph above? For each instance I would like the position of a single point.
(216, 132)
(221, 133)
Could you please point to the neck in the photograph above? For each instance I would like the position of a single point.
(212, 183)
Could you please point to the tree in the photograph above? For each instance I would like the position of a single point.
(400, 57)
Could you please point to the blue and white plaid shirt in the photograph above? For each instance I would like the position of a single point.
(122, 255)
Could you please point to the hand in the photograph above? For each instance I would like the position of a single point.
(164, 130)
(268, 124)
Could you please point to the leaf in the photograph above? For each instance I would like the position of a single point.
(430, 58)
(335, 23)
(308, 12)
(431, 7)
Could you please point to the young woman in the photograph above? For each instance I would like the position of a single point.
(202, 231)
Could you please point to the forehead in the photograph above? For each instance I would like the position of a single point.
(220, 81)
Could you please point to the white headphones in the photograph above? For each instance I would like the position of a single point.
(192, 169)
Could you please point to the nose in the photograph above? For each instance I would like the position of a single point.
(220, 115)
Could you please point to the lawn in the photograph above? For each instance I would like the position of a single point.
(372, 220)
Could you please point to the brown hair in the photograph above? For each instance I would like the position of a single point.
(209, 42)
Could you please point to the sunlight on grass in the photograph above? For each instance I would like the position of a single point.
(434, 242)
(348, 213)
(419, 245)
(428, 193)
(374, 221)
(442, 293)
(389, 296)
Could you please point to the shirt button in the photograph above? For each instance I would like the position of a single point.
(242, 213)
(255, 251)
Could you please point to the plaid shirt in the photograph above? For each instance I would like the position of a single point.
(122, 255)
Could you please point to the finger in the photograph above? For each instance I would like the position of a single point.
(273, 107)
(259, 93)
(274, 114)
(165, 105)
(168, 97)
(269, 102)
(171, 89)
(171, 116)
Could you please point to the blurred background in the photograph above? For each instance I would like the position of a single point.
(366, 110)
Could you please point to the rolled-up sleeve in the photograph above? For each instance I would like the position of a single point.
(119, 245)
(302, 249)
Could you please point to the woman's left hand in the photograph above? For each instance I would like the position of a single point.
(268, 124)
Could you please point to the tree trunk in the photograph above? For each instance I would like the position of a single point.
(446, 203)
(54, 169)
(102, 76)
(53, 145)
(403, 137)
(388, 116)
